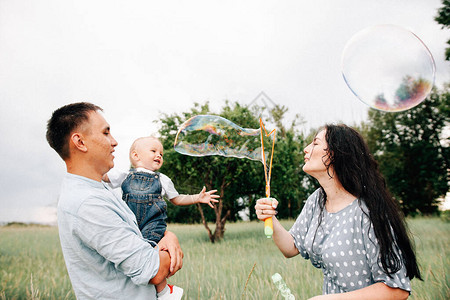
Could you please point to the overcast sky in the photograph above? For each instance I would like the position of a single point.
(138, 59)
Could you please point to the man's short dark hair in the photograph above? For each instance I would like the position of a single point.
(63, 121)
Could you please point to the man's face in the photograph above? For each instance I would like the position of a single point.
(150, 154)
(100, 143)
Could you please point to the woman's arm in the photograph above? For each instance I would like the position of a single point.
(283, 239)
(265, 208)
(375, 291)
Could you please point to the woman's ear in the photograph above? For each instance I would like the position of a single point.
(77, 141)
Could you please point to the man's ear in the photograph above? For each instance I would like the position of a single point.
(77, 141)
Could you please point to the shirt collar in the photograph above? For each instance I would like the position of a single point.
(89, 181)
(140, 169)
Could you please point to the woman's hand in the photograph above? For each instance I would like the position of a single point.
(265, 208)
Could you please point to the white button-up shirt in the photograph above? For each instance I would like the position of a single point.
(105, 254)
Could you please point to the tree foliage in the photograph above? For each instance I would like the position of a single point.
(411, 152)
(290, 185)
(239, 181)
(408, 145)
(233, 178)
(443, 18)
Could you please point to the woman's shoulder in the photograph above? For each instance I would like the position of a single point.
(316, 196)
(363, 209)
(314, 199)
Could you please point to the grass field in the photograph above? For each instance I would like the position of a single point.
(239, 267)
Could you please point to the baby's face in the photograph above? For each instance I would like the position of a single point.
(150, 154)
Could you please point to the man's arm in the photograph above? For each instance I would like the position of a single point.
(164, 267)
(169, 244)
(116, 240)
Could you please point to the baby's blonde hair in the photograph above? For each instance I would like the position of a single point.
(137, 142)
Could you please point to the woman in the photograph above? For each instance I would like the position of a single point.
(350, 227)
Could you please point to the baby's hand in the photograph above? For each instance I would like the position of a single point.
(208, 197)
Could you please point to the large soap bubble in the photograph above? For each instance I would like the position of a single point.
(204, 135)
(388, 67)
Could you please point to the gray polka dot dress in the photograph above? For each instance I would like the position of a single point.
(344, 247)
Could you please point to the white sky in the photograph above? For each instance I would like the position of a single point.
(138, 59)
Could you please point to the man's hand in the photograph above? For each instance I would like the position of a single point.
(170, 243)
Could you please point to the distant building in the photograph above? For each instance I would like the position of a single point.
(263, 101)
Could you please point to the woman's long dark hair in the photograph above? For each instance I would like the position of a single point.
(359, 174)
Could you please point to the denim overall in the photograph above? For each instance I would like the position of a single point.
(142, 193)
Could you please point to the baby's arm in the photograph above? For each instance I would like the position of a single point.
(105, 178)
(115, 177)
(204, 197)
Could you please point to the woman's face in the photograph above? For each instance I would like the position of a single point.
(316, 155)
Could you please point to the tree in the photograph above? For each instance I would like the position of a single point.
(290, 185)
(443, 18)
(234, 178)
(239, 181)
(408, 146)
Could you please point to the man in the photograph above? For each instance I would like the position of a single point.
(105, 254)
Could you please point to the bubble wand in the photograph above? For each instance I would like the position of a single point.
(268, 223)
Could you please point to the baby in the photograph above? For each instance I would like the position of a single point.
(143, 189)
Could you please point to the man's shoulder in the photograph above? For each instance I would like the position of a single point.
(76, 190)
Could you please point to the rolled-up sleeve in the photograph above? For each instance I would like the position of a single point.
(372, 250)
(103, 228)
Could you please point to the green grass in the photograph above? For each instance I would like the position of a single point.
(32, 265)
(239, 267)
(221, 270)
(432, 241)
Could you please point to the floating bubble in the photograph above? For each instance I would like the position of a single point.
(388, 67)
(282, 287)
(205, 135)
